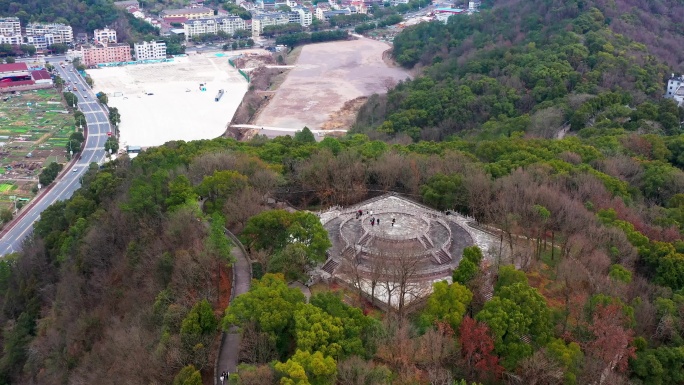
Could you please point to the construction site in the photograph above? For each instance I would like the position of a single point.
(191, 98)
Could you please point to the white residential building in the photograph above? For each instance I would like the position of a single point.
(326, 15)
(320, 8)
(43, 35)
(152, 50)
(266, 19)
(105, 36)
(212, 25)
(15, 39)
(675, 89)
(73, 54)
(10, 26)
(302, 16)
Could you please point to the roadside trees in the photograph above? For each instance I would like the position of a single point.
(49, 173)
(71, 99)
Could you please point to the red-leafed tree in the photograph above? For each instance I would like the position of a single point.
(477, 350)
(611, 349)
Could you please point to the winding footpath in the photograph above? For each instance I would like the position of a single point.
(230, 341)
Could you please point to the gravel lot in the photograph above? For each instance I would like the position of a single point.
(325, 77)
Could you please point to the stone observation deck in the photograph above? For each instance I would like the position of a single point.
(392, 229)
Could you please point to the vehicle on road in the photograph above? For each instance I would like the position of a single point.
(74, 169)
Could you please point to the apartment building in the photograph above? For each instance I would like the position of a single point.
(266, 19)
(105, 36)
(152, 50)
(211, 25)
(111, 53)
(301, 15)
(188, 13)
(14, 39)
(10, 26)
(42, 35)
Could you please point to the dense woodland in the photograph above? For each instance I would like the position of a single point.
(541, 121)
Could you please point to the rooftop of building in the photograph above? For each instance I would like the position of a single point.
(56, 25)
(182, 11)
(150, 43)
(448, 9)
(40, 75)
(680, 91)
(17, 83)
(337, 12)
(11, 67)
(679, 78)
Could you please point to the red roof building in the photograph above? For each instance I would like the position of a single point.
(11, 69)
(17, 83)
(41, 76)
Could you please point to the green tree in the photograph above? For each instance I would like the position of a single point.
(569, 356)
(316, 330)
(200, 320)
(305, 368)
(218, 244)
(58, 48)
(275, 229)
(49, 173)
(619, 273)
(304, 136)
(111, 145)
(516, 312)
(270, 305)
(469, 266)
(445, 192)
(219, 186)
(71, 99)
(661, 366)
(509, 275)
(114, 116)
(181, 193)
(447, 303)
(102, 98)
(188, 376)
(292, 261)
(6, 215)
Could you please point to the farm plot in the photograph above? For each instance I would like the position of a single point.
(34, 128)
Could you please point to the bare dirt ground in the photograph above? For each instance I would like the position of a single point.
(326, 78)
(163, 102)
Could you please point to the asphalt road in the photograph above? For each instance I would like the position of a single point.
(63, 188)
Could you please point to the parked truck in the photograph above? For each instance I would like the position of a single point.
(219, 95)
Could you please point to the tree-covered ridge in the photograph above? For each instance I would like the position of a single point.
(528, 69)
(595, 219)
(82, 15)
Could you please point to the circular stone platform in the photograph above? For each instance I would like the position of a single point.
(405, 227)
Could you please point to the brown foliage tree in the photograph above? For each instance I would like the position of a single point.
(477, 350)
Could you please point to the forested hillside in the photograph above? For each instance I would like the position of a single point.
(549, 128)
(530, 67)
(82, 15)
(122, 282)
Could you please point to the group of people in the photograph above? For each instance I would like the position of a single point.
(373, 221)
(224, 376)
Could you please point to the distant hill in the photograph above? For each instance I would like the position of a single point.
(497, 70)
(82, 15)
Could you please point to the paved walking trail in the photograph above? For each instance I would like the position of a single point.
(228, 355)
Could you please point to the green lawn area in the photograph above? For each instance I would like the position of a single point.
(6, 187)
